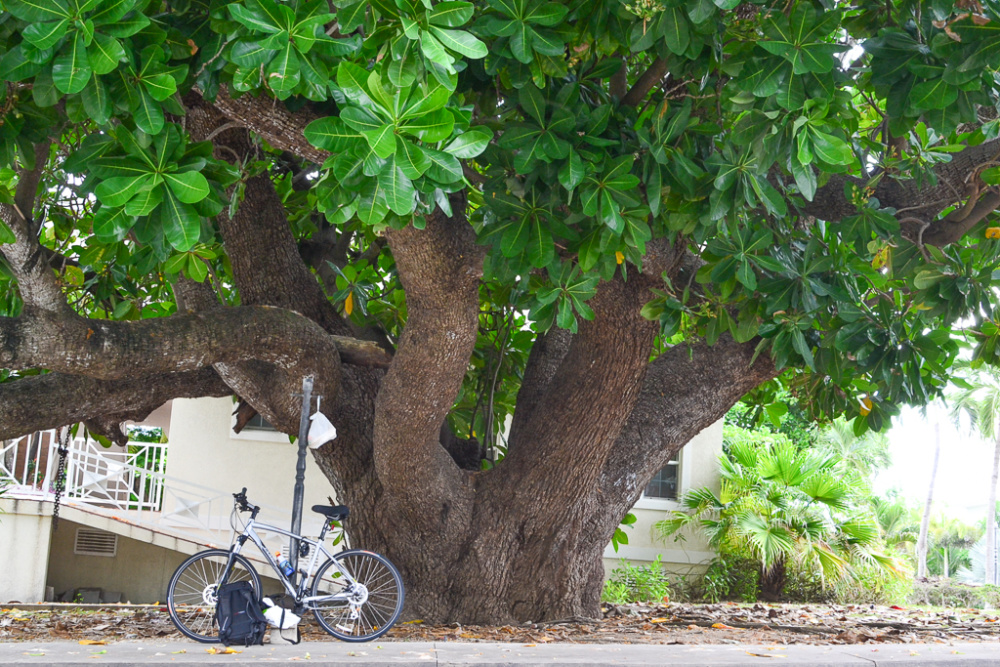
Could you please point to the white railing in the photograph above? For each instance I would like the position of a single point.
(129, 484)
(124, 478)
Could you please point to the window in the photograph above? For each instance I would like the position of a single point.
(665, 482)
(257, 429)
(258, 423)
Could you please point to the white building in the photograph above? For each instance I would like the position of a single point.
(130, 517)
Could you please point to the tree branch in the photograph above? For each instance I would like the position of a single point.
(27, 258)
(111, 350)
(272, 120)
(55, 399)
(956, 179)
(652, 76)
(439, 267)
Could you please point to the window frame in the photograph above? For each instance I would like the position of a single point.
(650, 503)
(255, 434)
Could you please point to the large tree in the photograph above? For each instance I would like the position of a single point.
(617, 218)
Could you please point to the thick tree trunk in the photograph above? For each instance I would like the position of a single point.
(772, 582)
(926, 520)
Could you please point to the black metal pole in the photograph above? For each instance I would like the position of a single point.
(300, 470)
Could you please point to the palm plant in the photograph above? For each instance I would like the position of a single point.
(980, 399)
(778, 502)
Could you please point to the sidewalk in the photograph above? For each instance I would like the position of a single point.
(456, 654)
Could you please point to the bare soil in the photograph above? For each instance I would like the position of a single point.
(723, 623)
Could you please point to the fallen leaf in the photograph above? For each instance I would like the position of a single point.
(92, 642)
(722, 626)
(766, 655)
(222, 651)
(658, 620)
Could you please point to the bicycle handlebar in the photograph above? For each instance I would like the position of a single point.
(243, 503)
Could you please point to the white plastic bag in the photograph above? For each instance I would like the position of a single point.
(321, 431)
(274, 618)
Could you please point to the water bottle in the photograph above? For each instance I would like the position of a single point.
(284, 565)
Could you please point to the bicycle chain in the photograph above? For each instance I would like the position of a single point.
(60, 485)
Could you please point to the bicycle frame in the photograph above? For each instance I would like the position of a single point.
(316, 548)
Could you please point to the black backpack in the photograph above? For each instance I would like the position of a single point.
(239, 616)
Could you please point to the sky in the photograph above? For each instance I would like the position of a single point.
(962, 485)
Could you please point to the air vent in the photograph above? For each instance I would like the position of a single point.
(90, 542)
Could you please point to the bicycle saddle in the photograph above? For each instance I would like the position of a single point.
(332, 512)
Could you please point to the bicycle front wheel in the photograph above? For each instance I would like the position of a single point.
(193, 591)
(366, 608)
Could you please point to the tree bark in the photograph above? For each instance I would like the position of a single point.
(926, 520)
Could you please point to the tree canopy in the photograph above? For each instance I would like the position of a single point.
(615, 217)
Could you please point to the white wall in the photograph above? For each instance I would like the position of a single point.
(204, 450)
(25, 527)
(698, 467)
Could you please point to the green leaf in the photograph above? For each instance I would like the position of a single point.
(352, 16)
(431, 128)
(352, 80)
(382, 140)
(116, 191)
(128, 26)
(160, 86)
(331, 134)
(16, 67)
(460, 41)
(372, 207)
(547, 13)
(104, 53)
(284, 71)
(934, 94)
(34, 11)
(189, 187)
(411, 159)
(805, 178)
(181, 222)
(71, 69)
(675, 29)
(541, 250)
(451, 14)
(444, 168)
(516, 236)
(254, 20)
(435, 51)
(111, 11)
(144, 202)
(830, 149)
(148, 115)
(800, 345)
(399, 192)
(772, 199)
(572, 173)
(532, 101)
(6, 235)
(45, 35)
(97, 102)
(361, 119)
(249, 54)
(471, 143)
(112, 224)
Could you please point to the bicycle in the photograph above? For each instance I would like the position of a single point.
(355, 595)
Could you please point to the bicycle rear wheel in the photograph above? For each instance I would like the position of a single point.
(370, 607)
(192, 592)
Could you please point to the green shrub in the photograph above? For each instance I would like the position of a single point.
(949, 593)
(731, 578)
(637, 583)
